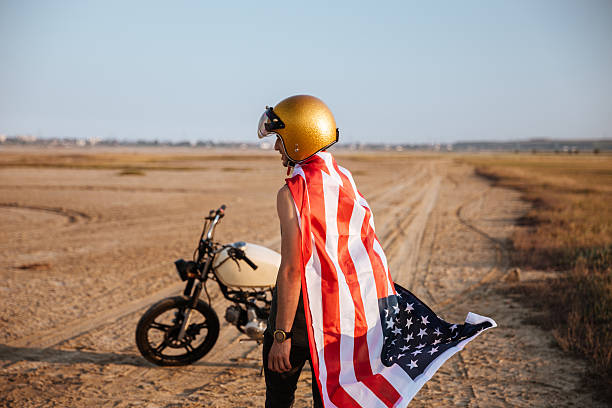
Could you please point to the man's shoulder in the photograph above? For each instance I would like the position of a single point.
(284, 201)
(284, 194)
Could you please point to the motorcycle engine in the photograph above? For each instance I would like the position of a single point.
(255, 327)
(236, 315)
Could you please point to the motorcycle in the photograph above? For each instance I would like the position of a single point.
(180, 330)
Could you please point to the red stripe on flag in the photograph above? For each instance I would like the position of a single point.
(367, 237)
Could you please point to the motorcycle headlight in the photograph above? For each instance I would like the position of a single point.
(185, 269)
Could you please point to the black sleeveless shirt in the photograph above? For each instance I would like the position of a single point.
(299, 335)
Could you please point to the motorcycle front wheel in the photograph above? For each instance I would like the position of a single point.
(158, 329)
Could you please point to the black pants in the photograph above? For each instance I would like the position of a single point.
(280, 387)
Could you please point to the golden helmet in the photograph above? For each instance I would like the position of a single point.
(303, 123)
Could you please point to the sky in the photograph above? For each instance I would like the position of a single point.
(390, 71)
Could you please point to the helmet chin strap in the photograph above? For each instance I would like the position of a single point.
(290, 166)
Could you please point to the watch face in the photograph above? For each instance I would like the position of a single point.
(279, 336)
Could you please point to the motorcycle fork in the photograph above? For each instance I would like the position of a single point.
(192, 304)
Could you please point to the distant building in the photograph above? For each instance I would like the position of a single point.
(26, 138)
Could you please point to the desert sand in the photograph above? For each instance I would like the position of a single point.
(86, 250)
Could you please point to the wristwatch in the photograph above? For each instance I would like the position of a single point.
(281, 335)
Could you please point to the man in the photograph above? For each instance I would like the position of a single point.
(286, 347)
(370, 342)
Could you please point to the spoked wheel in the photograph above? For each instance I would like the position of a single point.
(158, 329)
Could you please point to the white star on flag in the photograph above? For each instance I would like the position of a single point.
(432, 351)
(396, 308)
(437, 331)
(409, 337)
(424, 320)
(390, 324)
(453, 327)
(413, 364)
(436, 341)
(409, 308)
(397, 330)
(414, 353)
(408, 323)
(422, 333)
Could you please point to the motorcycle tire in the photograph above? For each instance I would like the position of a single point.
(178, 304)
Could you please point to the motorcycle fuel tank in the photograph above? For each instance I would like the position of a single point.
(237, 274)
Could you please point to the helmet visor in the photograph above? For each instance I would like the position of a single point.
(268, 123)
(261, 126)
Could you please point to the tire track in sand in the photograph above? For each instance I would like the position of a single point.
(497, 271)
(73, 216)
(465, 395)
(405, 240)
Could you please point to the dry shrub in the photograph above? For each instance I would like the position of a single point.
(39, 266)
(131, 172)
(587, 297)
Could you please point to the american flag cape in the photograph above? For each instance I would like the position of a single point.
(372, 343)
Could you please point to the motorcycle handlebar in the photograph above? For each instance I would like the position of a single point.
(237, 253)
(221, 210)
(214, 217)
(249, 262)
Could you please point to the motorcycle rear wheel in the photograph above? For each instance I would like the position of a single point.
(158, 328)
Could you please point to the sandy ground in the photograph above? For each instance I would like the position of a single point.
(85, 252)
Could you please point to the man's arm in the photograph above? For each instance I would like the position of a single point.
(288, 281)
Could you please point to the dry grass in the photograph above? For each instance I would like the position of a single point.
(124, 160)
(569, 229)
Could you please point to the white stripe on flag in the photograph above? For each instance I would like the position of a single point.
(300, 172)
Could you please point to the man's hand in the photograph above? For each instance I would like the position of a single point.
(278, 359)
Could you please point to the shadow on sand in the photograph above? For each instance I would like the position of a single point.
(10, 355)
